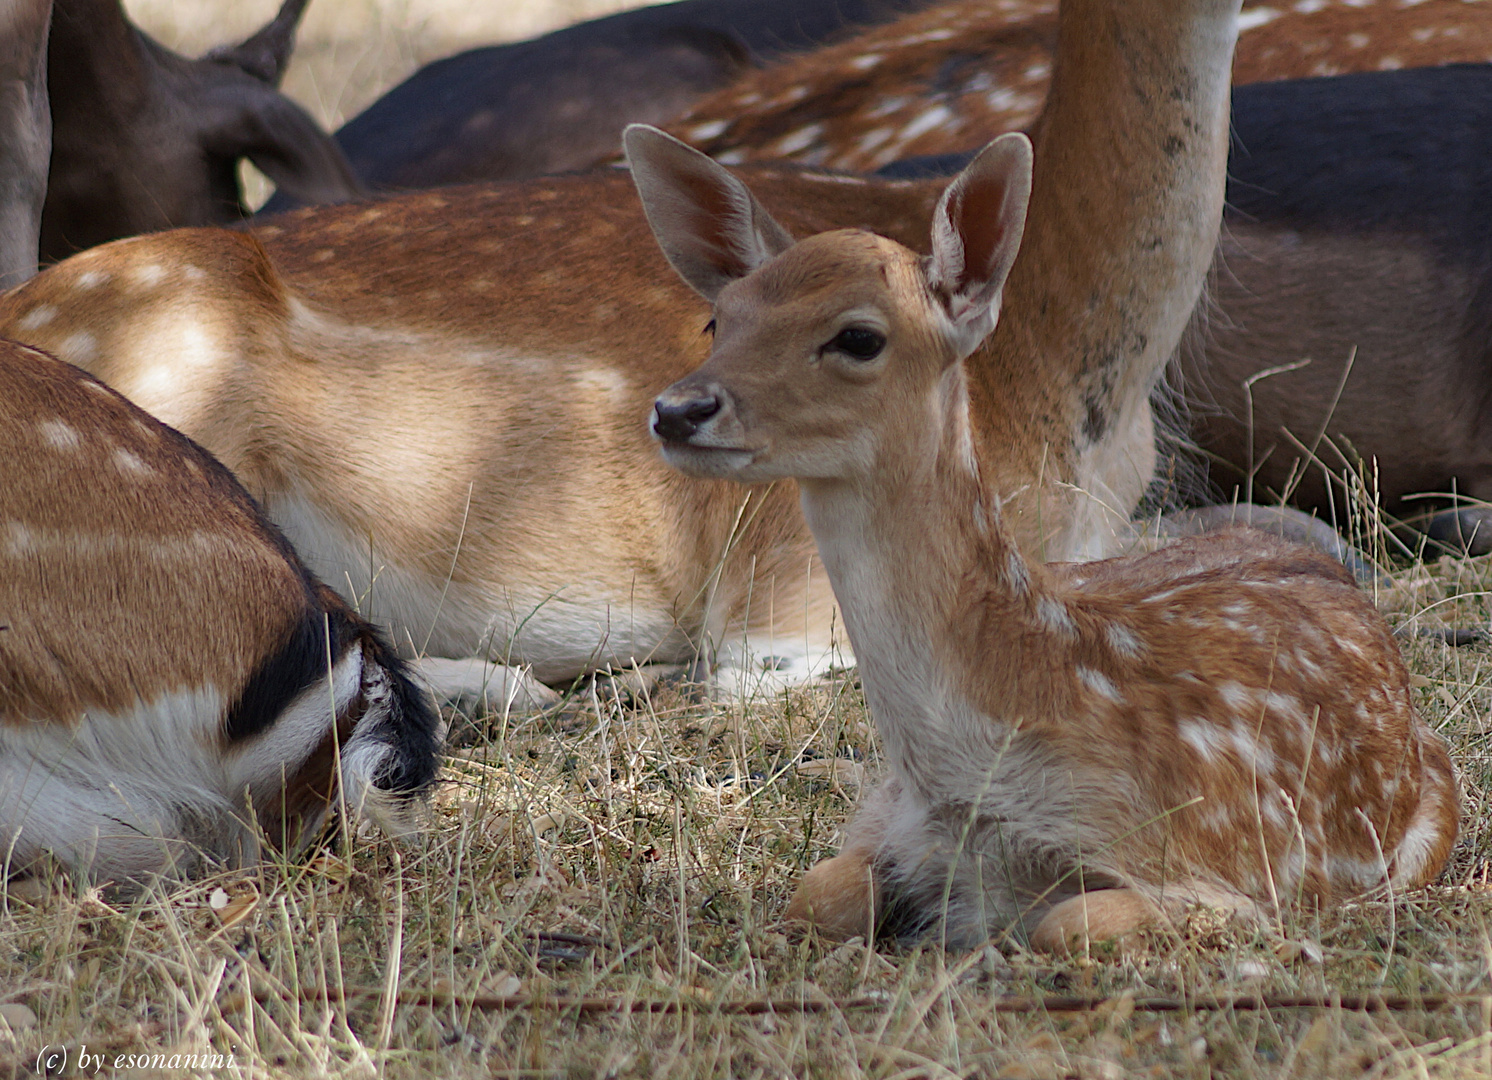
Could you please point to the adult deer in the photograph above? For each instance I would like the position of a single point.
(1074, 751)
(957, 74)
(174, 686)
(560, 101)
(144, 139)
(25, 134)
(447, 423)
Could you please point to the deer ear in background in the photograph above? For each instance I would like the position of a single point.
(710, 227)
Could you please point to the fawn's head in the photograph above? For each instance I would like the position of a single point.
(827, 349)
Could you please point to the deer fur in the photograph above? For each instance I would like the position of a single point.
(25, 134)
(174, 686)
(1074, 750)
(144, 139)
(949, 78)
(446, 421)
(559, 102)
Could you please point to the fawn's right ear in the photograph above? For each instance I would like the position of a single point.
(709, 226)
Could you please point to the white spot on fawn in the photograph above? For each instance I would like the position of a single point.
(1122, 641)
(90, 279)
(1054, 615)
(37, 317)
(18, 539)
(78, 348)
(1256, 17)
(133, 464)
(934, 118)
(1100, 684)
(148, 275)
(60, 434)
(705, 132)
(801, 139)
(1203, 737)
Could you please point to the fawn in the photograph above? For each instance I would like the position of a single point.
(1074, 750)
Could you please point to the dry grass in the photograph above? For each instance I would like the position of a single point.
(596, 896)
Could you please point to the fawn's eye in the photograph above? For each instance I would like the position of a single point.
(859, 343)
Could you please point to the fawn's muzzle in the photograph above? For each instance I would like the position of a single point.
(678, 420)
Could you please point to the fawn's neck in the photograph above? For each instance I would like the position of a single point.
(937, 599)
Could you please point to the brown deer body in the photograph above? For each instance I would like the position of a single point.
(951, 77)
(173, 683)
(445, 421)
(1073, 750)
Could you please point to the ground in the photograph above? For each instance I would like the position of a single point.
(596, 892)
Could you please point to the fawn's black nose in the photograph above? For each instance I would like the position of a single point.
(677, 421)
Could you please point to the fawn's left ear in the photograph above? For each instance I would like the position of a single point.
(976, 234)
(708, 224)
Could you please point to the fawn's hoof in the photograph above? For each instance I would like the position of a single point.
(836, 898)
(1104, 915)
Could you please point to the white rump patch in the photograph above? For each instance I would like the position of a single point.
(132, 794)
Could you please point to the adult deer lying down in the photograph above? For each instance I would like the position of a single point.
(445, 418)
(1074, 749)
(173, 684)
(560, 101)
(963, 71)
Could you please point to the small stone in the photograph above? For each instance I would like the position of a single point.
(18, 1017)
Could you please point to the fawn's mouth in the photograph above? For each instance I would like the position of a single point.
(720, 462)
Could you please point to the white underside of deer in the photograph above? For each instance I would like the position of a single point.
(1073, 750)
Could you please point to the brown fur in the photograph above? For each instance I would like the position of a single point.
(983, 68)
(174, 543)
(169, 671)
(1226, 721)
(469, 402)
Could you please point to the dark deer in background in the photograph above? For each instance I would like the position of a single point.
(144, 139)
(25, 134)
(560, 101)
(1357, 254)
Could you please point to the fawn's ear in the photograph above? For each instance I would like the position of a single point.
(976, 233)
(709, 226)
